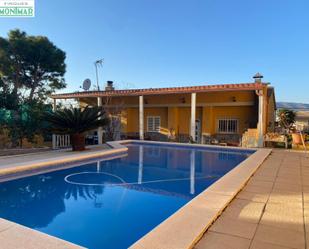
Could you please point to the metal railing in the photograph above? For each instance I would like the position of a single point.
(61, 141)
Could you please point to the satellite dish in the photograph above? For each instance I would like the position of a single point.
(86, 84)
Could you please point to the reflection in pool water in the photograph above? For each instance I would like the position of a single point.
(111, 204)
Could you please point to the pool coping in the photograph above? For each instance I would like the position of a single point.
(31, 167)
(14, 235)
(183, 229)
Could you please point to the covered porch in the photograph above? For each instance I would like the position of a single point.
(205, 115)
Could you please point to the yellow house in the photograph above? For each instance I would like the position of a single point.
(221, 113)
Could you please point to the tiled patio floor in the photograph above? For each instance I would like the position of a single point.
(271, 212)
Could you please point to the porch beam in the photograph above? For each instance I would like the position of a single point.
(212, 104)
(141, 117)
(193, 115)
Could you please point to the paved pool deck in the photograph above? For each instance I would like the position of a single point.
(26, 164)
(271, 211)
(13, 160)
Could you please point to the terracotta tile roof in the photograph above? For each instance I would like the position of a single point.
(167, 90)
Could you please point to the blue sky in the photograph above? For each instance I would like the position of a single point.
(159, 43)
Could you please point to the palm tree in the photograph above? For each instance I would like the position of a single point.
(75, 122)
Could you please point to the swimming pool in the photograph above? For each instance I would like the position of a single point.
(113, 203)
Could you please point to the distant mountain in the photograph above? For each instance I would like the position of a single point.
(293, 106)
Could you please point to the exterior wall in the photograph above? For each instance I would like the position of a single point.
(183, 126)
(162, 112)
(175, 111)
(271, 115)
(177, 99)
(212, 114)
(132, 120)
(265, 116)
(178, 118)
(173, 118)
(226, 97)
(132, 124)
(207, 124)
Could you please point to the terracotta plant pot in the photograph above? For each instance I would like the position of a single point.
(78, 142)
(296, 138)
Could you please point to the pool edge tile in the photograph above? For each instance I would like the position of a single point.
(191, 221)
(18, 236)
(183, 230)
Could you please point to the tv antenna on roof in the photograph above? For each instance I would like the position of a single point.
(96, 64)
(86, 84)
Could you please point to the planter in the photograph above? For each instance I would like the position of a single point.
(296, 138)
(78, 142)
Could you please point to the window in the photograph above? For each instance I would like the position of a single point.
(153, 123)
(228, 125)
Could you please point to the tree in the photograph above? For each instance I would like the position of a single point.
(31, 67)
(27, 121)
(115, 113)
(7, 98)
(76, 121)
(286, 118)
(24, 122)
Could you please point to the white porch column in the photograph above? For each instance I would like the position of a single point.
(193, 115)
(260, 119)
(141, 117)
(54, 143)
(140, 165)
(100, 130)
(192, 172)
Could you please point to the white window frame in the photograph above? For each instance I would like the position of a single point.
(228, 129)
(152, 126)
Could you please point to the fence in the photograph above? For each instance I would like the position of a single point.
(61, 141)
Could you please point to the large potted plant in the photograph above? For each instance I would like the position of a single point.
(75, 122)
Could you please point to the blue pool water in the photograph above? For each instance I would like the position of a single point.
(113, 203)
